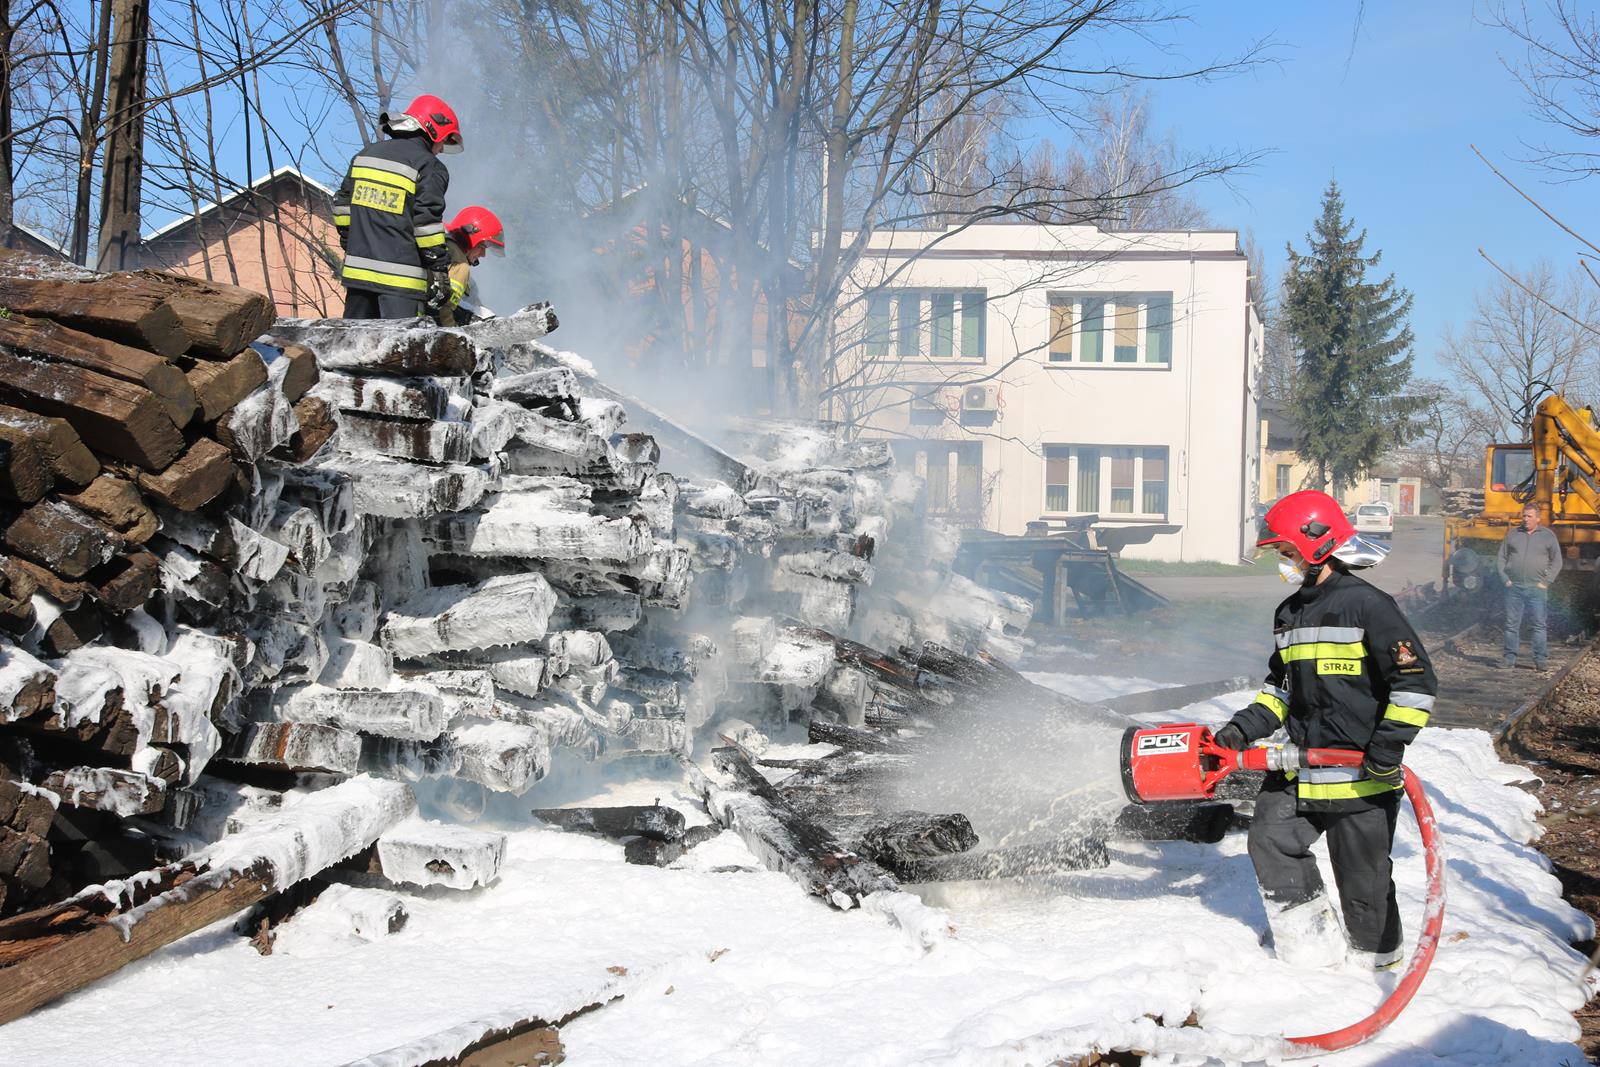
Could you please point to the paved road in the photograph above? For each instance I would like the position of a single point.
(1415, 558)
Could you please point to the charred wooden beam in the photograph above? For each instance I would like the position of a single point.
(46, 340)
(48, 953)
(629, 820)
(785, 840)
(119, 306)
(114, 417)
(58, 444)
(218, 319)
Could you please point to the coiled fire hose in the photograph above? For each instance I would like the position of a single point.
(1182, 762)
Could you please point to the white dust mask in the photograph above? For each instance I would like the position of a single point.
(1291, 572)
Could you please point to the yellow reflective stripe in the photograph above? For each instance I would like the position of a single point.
(1366, 787)
(431, 241)
(384, 177)
(1274, 703)
(341, 220)
(399, 281)
(1409, 716)
(1324, 650)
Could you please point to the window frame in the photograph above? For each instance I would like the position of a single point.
(1109, 312)
(1105, 456)
(960, 324)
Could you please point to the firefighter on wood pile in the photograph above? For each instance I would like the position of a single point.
(390, 215)
(1347, 672)
(472, 233)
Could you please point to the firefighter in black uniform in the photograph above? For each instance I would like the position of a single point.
(390, 214)
(1347, 672)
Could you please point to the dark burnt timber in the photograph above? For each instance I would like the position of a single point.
(855, 739)
(43, 339)
(359, 346)
(114, 417)
(60, 447)
(632, 820)
(787, 842)
(120, 306)
(218, 319)
(913, 836)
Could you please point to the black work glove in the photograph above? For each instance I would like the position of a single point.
(1230, 736)
(1391, 776)
(438, 297)
(344, 238)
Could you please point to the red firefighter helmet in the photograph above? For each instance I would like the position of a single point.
(1310, 520)
(429, 114)
(474, 226)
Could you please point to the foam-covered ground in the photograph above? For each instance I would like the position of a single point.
(736, 966)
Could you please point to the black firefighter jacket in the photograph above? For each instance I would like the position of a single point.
(390, 210)
(1347, 672)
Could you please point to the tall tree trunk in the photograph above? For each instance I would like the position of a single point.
(89, 133)
(7, 32)
(123, 171)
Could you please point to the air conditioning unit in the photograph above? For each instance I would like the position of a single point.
(980, 398)
(932, 400)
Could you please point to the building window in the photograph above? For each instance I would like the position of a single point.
(1057, 465)
(952, 474)
(1154, 480)
(1285, 475)
(1122, 464)
(1139, 325)
(925, 323)
(1090, 480)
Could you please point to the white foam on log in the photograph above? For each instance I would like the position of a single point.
(426, 853)
(355, 664)
(500, 611)
(526, 525)
(314, 831)
(503, 756)
(411, 713)
(18, 671)
(399, 490)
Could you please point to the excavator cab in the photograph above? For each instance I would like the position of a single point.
(1508, 479)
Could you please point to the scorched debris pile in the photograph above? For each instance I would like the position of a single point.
(247, 560)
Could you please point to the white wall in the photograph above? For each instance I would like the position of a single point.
(1199, 407)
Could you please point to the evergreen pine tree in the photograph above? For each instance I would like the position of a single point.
(1353, 345)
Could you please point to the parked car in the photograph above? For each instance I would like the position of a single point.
(1375, 519)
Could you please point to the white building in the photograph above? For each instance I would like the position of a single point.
(1038, 372)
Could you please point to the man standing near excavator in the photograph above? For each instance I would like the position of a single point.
(1347, 671)
(1530, 559)
(389, 211)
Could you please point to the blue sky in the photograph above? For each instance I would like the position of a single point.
(1389, 110)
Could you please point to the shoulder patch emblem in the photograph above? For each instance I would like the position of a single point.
(1404, 654)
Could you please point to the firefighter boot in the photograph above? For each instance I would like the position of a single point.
(1307, 934)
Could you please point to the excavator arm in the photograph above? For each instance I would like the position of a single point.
(1564, 433)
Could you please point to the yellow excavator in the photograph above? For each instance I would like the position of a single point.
(1559, 470)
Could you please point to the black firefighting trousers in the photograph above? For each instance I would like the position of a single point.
(1358, 844)
(365, 304)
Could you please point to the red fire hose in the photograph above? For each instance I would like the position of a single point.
(1181, 762)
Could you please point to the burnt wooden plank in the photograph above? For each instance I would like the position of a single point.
(219, 384)
(626, 820)
(68, 541)
(219, 319)
(49, 340)
(24, 475)
(117, 503)
(315, 427)
(114, 417)
(59, 445)
(195, 479)
(118, 306)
